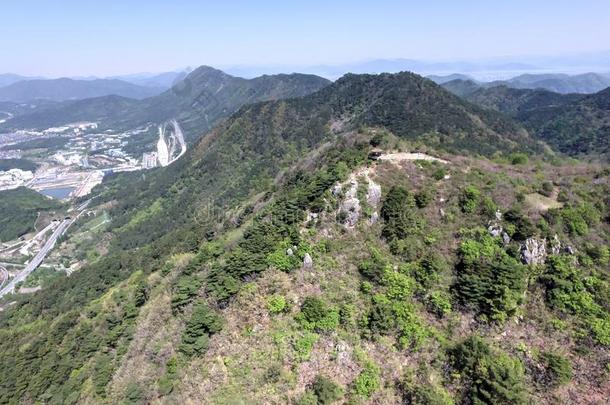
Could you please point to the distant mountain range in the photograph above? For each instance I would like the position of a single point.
(10, 78)
(70, 89)
(575, 124)
(198, 101)
(160, 80)
(585, 83)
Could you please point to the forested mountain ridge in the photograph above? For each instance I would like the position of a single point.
(268, 137)
(574, 124)
(586, 83)
(70, 89)
(275, 262)
(199, 101)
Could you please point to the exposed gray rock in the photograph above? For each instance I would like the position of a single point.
(289, 252)
(442, 212)
(374, 218)
(570, 250)
(505, 238)
(555, 245)
(494, 230)
(533, 251)
(351, 205)
(312, 216)
(498, 215)
(307, 261)
(373, 196)
(336, 190)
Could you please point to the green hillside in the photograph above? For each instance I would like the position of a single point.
(199, 102)
(276, 262)
(573, 124)
(19, 209)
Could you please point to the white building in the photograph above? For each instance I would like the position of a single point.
(149, 160)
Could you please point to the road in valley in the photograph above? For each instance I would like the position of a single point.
(3, 276)
(37, 260)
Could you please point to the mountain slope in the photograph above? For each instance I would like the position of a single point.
(439, 79)
(10, 78)
(578, 128)
(199, 101)
(162, 80)
(414, 107)
(460, 87)
(560, 83)
(69, 89)
(574, 124)
(204, 292)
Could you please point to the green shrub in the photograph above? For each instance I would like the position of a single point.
(374, 267)
(439, 173)
(469, 199)
(439, 303)
(488, 279)
(308, 398)
(423, 198)
(398, 286)
(102, 373)
(558, 368)
(518, 158)
(368, 381)
(547, 188)
(317, 315)
(281, 260)
(304, 345)
(494, 377)
(400, 215)
(427, 394)
(522, 227)
(326, 390)
(601, 330)
(381, 318)
(203, 323)
(600, 254)
(428, 271)
(166, 383)
(276, 304)
(377, 139)
(565, 289)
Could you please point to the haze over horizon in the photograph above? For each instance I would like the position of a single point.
(114, 38)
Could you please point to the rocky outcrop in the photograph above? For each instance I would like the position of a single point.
(373, 195)
(350, 207)
(533, 251)
(555, 245)
(494, 228)
(307, 261)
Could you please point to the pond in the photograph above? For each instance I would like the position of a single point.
(60, 193)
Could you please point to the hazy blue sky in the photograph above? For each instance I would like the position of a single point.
(69, 37)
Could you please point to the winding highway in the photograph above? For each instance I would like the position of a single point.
(37, 260)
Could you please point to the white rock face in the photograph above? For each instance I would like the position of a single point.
(307, 261)
(533, 251)
(336, 189)
(374, 218)
(555, 245)
(494, 230)
(373, 196)
(289, 252)
(351, 205)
